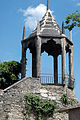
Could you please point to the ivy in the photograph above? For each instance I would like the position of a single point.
(64, 99)
(39, 106)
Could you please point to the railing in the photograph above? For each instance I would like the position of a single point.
(49, 79)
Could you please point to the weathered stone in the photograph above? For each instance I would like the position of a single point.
(13, 102)
(44, 95)
(43, 91)
(52, 97)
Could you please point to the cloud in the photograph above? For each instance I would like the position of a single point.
(33, 15)
(78, 4)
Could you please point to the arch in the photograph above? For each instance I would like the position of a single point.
(60, 69)
(28, 63)
(51, 47)
(47, 71)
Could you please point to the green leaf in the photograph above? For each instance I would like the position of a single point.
(9, 71)
(72, 20)
(40, 107)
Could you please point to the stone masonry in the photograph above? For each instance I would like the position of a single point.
(12, 103)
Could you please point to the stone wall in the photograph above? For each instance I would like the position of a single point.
(12, 103)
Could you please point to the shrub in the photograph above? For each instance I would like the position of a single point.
(39, 106)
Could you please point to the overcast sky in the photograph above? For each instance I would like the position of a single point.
(15, 13)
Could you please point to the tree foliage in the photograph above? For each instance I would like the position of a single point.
(72, 20)
(9, 73)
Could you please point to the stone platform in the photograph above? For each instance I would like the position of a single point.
(12, 103)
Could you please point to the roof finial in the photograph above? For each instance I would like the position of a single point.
(24, 32)
(63, 31)
(71, 35)
(47, 4)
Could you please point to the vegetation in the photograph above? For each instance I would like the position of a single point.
(39, 107)
(7, 116)
(9, 73)
(64, 99)
(72, 20)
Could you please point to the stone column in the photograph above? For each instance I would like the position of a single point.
(71, 77)
(23, 62)
(64, 77)
(38, 57)
(55, 70)
(33, 64)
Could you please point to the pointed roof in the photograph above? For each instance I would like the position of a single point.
(47, 26)
(24, 32)
(47, 4)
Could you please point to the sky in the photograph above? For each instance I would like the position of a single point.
(14, 14)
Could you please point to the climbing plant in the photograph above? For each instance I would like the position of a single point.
(39, 106)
